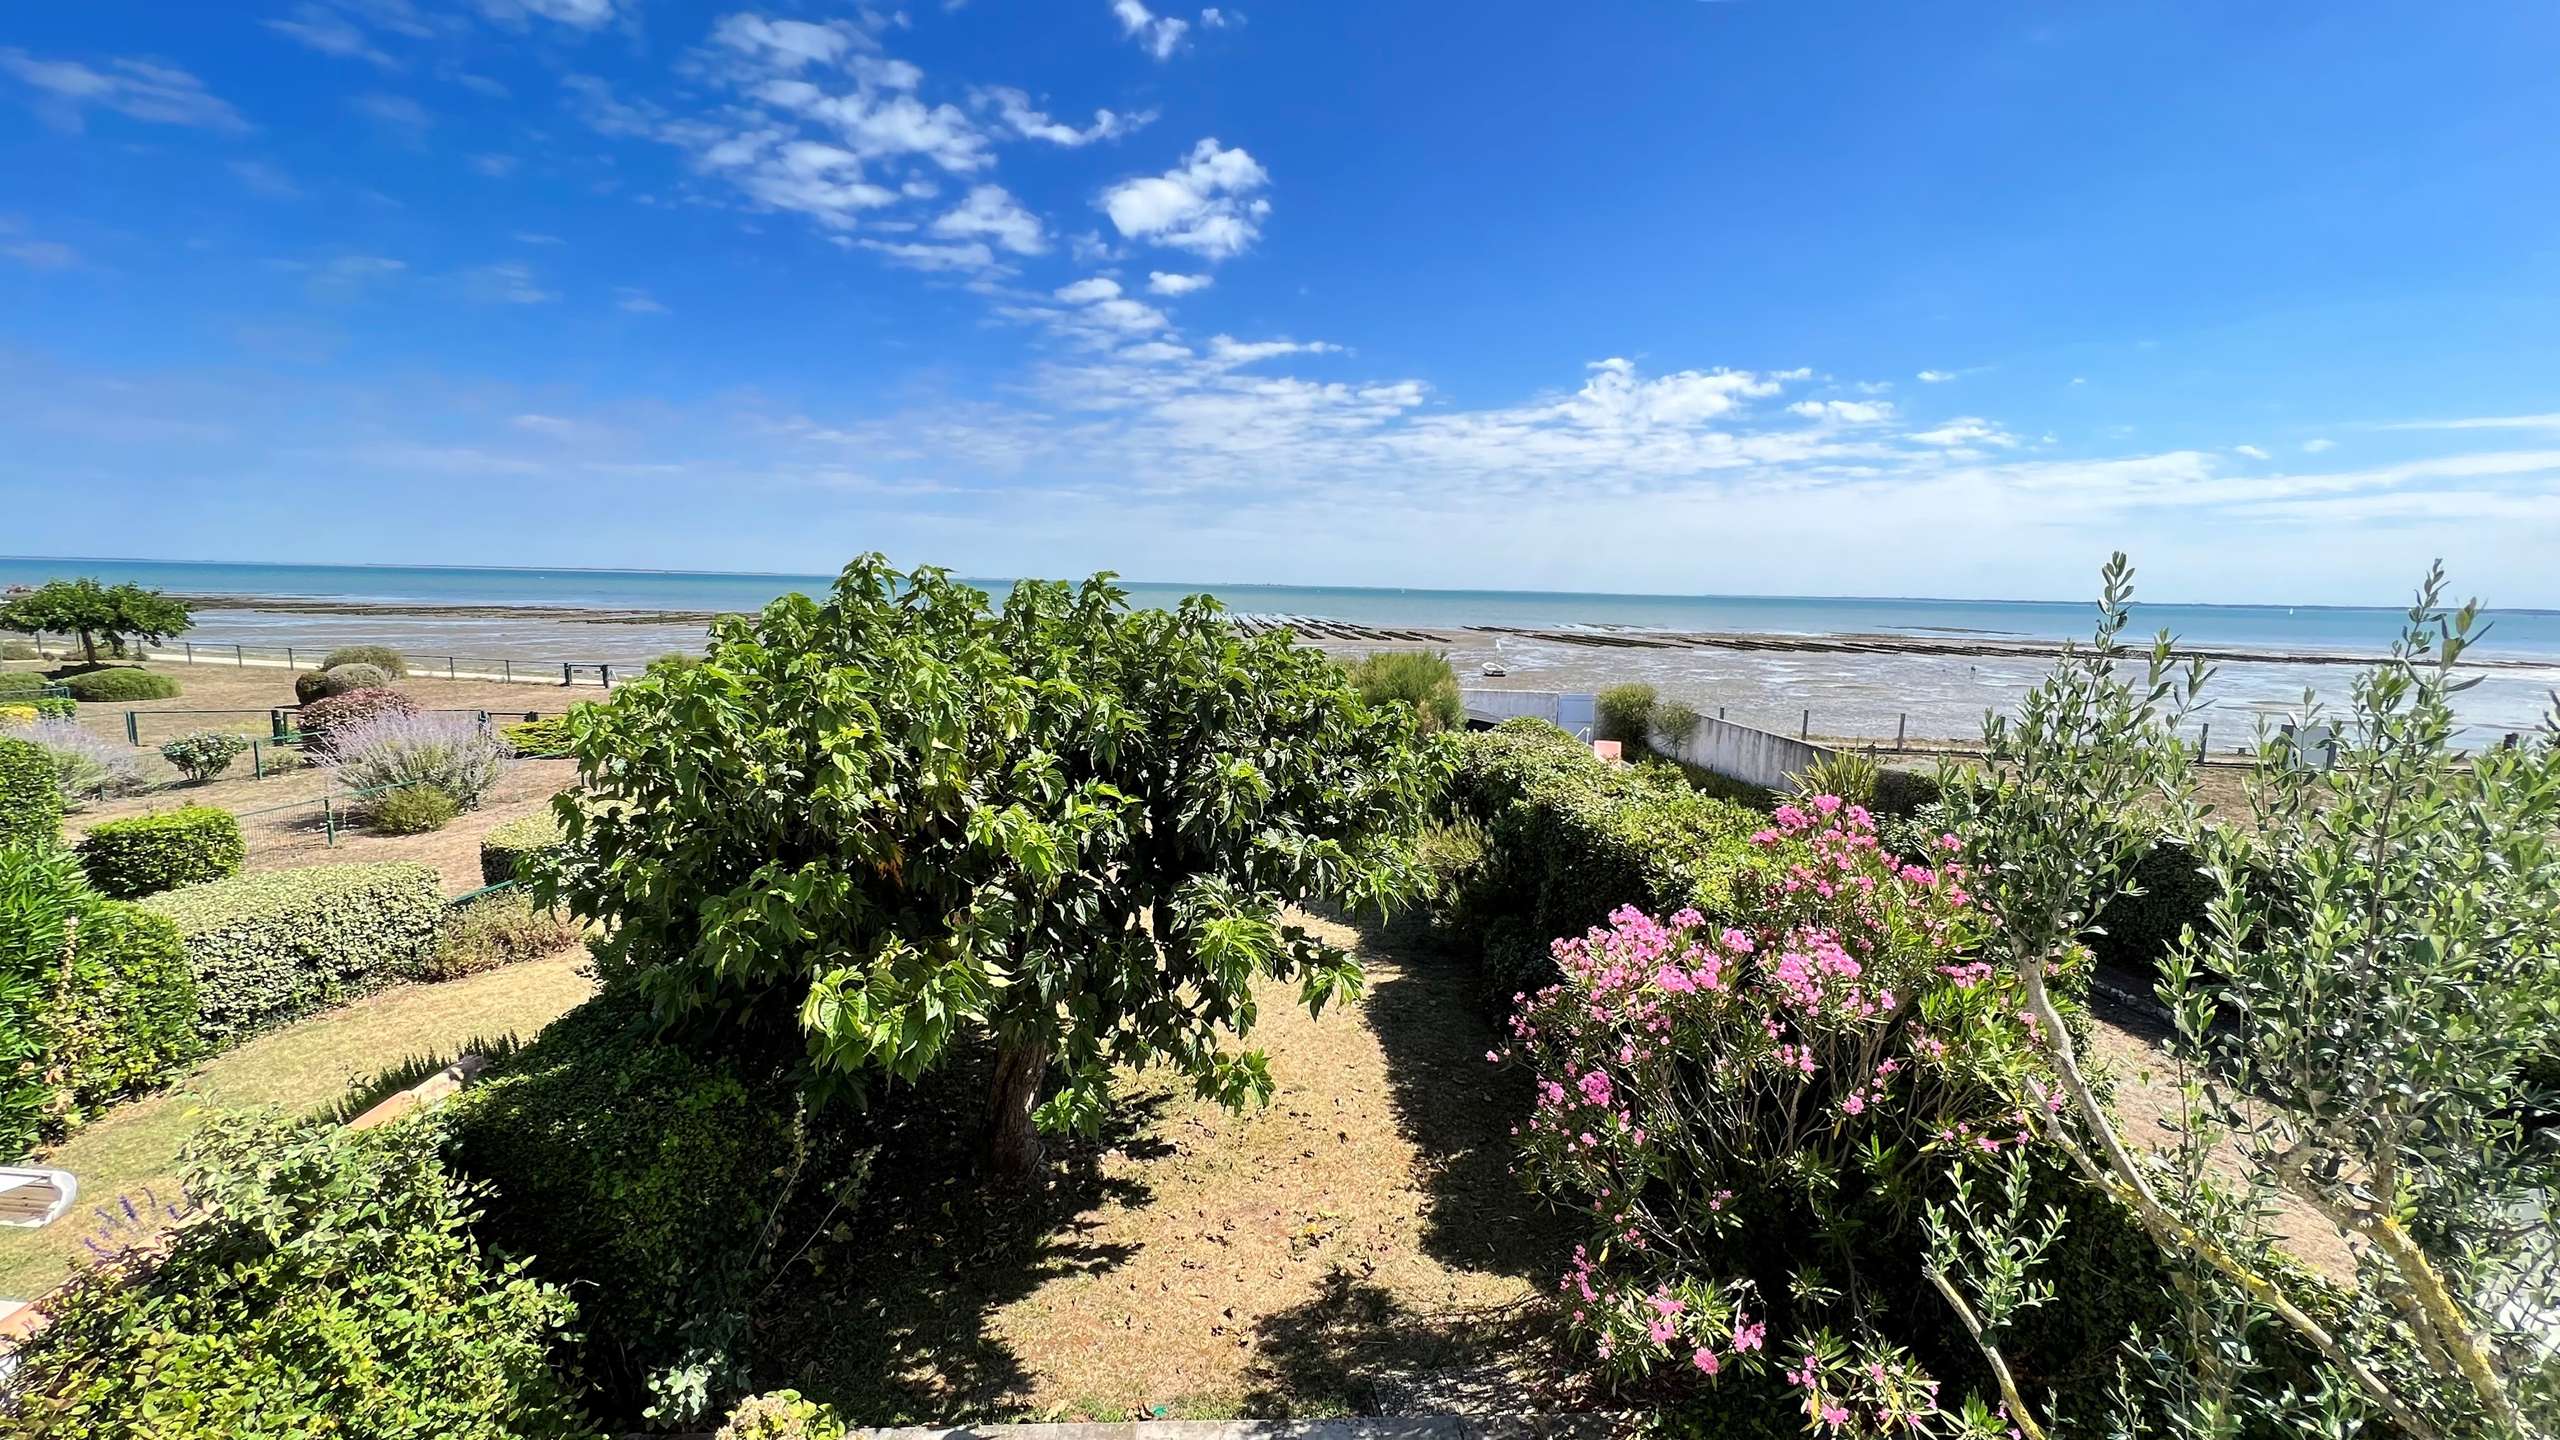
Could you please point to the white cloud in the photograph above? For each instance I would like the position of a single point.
(991, 213)
(1935, 377)
(1844, 412)
(143, 90)
(1214, 18)
(2482, 422)
(1086, 291)
(1015, 112)
(2252, 451)
(399, 114)
(2315, 447)
(1162, 283)
(507, 283)
(41, 254)
(1158, 35)
(583, 14)
(789, 45)
(970, 255)
(496, 167)
(1207, 204)
(316, 27)
(1226, 351)
(636, 301)
(1965, 431)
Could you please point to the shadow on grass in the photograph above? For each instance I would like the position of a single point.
(888, 1318)
(1354, 1348)
(1456, 1108)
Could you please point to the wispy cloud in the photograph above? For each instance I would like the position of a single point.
(317, 27)
(1158, 35)
(1209, 204)
(64, 91)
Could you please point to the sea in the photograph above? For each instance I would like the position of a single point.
(1824, 693)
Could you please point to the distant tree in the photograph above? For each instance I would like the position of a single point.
(1420, 680)
(901, 818)
(94, 612)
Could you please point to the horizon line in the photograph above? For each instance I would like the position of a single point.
(1210, 588)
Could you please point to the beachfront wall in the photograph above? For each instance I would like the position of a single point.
(1573, 713)
(1738, 752)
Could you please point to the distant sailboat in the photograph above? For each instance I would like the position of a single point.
(1493, 671)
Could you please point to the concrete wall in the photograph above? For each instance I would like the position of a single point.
(1738, 752)
(1572, 713)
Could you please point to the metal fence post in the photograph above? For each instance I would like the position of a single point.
(1806, 733)
(564, 672)
(257, 762)
(1901, 723)
(511, 670)
(288, 659)
(240, 656)
(132, 731)
(448, 667)
(2204, 739)
(1719, 712)
(329, 820)
(191, 652)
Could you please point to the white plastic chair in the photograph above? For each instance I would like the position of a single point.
(31, 1199)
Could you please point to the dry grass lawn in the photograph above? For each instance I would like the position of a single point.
(373, 1045)
(280, 814)
(1358, 1247)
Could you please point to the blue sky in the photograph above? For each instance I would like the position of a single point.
(1751, 296)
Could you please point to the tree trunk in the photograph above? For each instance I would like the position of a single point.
(1013, 1146)
(88, 646)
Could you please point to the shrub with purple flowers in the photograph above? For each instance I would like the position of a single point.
(1745, 1113)
(455, 754)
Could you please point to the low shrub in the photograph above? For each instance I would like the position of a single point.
(200, 755)
(1568, 838)
(311, 685)
(30, 795)
(322, 1283)
(119, 685)
(411, 810)
(1677, 721)
(674, 662)
(270, 946)
(1900, 792)
(323, 718)
(647, 1175)
(96, 1001)
(381, 657)
(19, 650)
(339, 680)
(86, 766)
(15, 715)
(1625, 713)
(452, 753)
(55, 707)
(1420, 680)
(548, 736)
(2136, 931)
(783, 1415)
(497, 930)
(18, 684)
(147, 854)
(504, 849)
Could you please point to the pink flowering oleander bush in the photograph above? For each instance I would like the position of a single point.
(1755, 1116)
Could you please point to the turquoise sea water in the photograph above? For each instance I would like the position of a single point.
(2534, 633)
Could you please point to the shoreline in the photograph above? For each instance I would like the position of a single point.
(1332, 633)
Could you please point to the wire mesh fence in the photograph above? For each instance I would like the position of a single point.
(244, 655)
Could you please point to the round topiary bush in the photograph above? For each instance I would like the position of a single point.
(381, 657)
(119, 684)
(203, 754)
(412, 810)
(339, 680)
(320, 717)
(147, 854)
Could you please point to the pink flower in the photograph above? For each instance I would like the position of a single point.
(1706, 1360)
(1749, 1337)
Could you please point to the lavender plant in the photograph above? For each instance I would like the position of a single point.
(85, 766)
(454, 753)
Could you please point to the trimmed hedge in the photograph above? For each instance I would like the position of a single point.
(120, 684)
(505, 847)
(381, 657)
(147, 854)
(642, 1172)
(18, 683)
(30, 798)
(1569, 838)
(345, 679)
(269, 947)
(96, 1001)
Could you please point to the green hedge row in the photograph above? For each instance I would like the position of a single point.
(119, 684)
(17, 684)
(30, 799)
(147, 854)
(506, 846)
(96, 998)
(269, 947)
(1569, 837)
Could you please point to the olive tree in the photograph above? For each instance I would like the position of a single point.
(2355, 1028)
(902, 817)
(93, 612)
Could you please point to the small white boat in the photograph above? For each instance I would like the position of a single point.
(1493, 671)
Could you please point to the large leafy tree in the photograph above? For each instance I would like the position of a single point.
(901, 817)
(95, 612)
